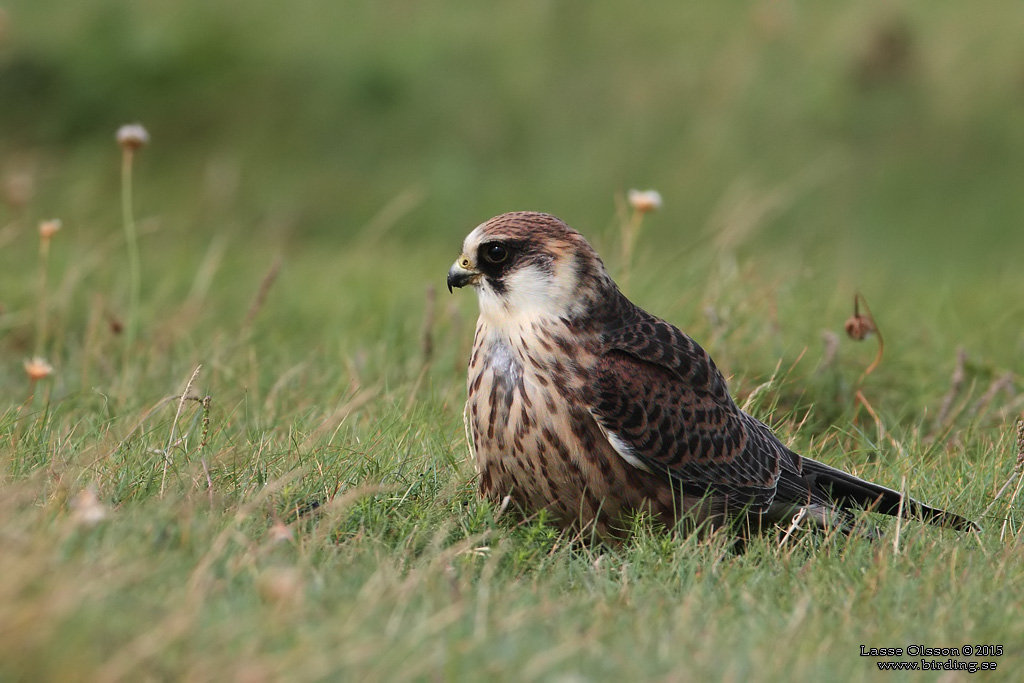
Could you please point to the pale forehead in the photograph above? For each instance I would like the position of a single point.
(474, 239)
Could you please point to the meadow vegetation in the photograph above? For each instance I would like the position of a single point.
(260, 471)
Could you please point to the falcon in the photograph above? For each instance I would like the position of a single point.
(585, 406)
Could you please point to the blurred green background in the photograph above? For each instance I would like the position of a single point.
(825, 147)
(866, 130)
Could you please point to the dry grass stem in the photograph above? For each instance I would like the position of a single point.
(743, 208)
(899, 516)
(860, 327)
(629, 234)
(392, 212)
(1018, 468)
(1020, 443)
(47, 229)
(642, 203)
(955, 385)
(830, 340)
(202, 445)
(205, 273)
(131, 138)
(861, 400)
(1003, 383)
(333, 422)
(206, 422)
(748, 403)
(793, 526)
(261, 294)
(185, 395)
(138, 424)
(426, 346)
(471, 457)
(1009, 505)
(427, 333)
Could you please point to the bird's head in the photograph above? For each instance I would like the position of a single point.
(528, 264)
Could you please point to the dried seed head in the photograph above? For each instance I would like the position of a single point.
(1020, 442)
(37, 369)
(132, 136)
(859, 327)
(48, 229)
(645, 201)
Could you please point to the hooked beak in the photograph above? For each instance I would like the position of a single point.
(461, 273)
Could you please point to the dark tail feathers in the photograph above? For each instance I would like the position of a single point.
(847, 491)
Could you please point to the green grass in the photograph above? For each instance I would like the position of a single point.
(354, 147)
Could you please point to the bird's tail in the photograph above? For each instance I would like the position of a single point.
(847, 491)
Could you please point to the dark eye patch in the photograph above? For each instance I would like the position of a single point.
(498, 257)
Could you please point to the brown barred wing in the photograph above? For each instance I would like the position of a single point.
(666, 408)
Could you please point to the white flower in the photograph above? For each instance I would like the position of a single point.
(86, 509)
(48, 229)
(645, 201)
(37, 368)
(132, 136)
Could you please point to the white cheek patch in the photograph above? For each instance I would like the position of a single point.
(530, 292)
(531, 289)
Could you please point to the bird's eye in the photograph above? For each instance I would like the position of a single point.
(495, 253)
